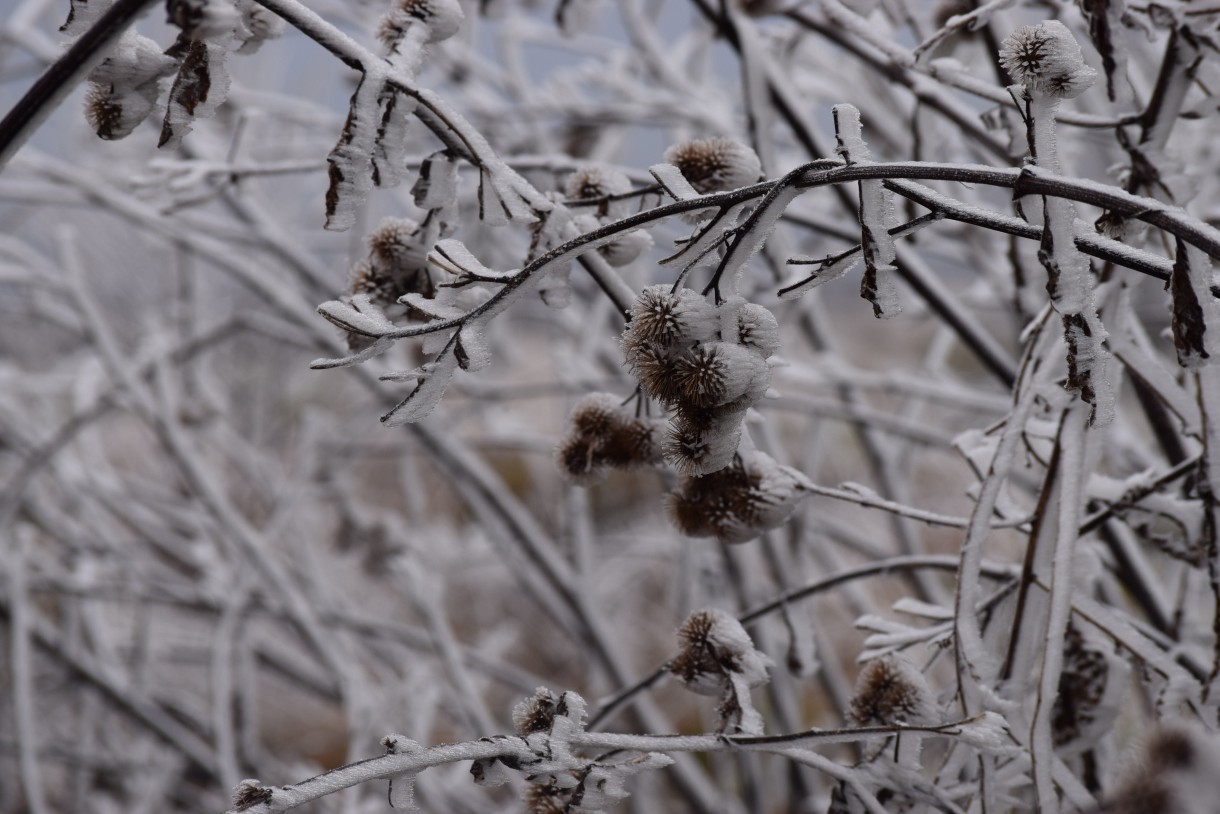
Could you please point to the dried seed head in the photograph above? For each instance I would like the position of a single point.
(204, 19)
(1178, 775)
(757, 329)
(701, 448)
(594, 182)
(715, 164)
(715, 373)
(1082, 687)
(536, 713)
(260, 25)
(114, 114)
(890, 690)
(440, 19)
(737, 503)
(1047, 59)
(714, 644)
(396, 264)
(653, 365)
(601, 435)
(670, 318)
(546, 799)
(249, 793)
(626, 248)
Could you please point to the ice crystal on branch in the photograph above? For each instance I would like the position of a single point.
(1047, 59)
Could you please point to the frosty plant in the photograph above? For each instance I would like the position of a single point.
(587, 259)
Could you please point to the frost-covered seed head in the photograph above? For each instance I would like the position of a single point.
(439, 19)
(204, 19)
(601, 435)
(715, 644)
(653, 366)
(1082, 686)
(702, 450)
(715, 373)
(715, 164)
(546, 799)
(536, 713)
(594, 182)
(137, 61)
(757, 329)
(1178, 775)
(626, 248)
(249, 793)
(890, 690)
(396, 264)
(670, 317)
(1047, 59)
(737, 503)
(260, 25)
(114, 115)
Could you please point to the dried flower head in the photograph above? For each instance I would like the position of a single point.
(670, 318)
(536, 713)
(1082, 689)
(1047, 59)
(547, 798)
(1178, 775)
(626, 248)
(428, 21)
(700, 443)
(249, 793)
(715, 373)
(890, 690)
(396, 265)
(714, 644)
(204, 19)
(594, 182)
(602, 435)
(756, 328)
(715, 164)
(653, 366)
(738, 502)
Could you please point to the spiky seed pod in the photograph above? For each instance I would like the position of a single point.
(626, 248)
(715, 164)
(1047, 59)
(601, 435)
(249, 793)
(653, 366)
(396, 265)
(1177, 776)
(890, 690)
(737, 503)
(1082, 686)
(594, 182)
(715, 373)
(204, 19)
(670, 318)
(715, 644)
(546, 799)
(698, 451)
(757, 329)
(536, 713)
(439, 19)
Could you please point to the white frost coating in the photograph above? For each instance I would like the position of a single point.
(761, 224)
(350, 168)
(402, 786)
(1209, 400)
(136, 60)
(390, 154)
(673, 182)
(802, 283)
(360, 315)
(472, 339)
(432, 379)
(627, 248)
(876, 218)
(436, 187)
(603, 784)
